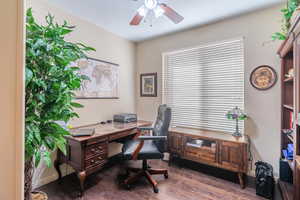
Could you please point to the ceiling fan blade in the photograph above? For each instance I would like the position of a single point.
(136, 19)
(171, 14)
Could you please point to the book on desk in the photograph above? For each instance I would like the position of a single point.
(82, 132)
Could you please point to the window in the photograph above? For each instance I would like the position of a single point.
(201, 84)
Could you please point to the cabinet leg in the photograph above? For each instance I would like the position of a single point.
(81, 177)
(56, 165)
(242, 180)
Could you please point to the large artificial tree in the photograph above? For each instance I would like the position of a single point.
(50, 82)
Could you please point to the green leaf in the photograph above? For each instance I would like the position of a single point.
(76, 105)
(66, 31)
(47, 158)
(29, 75)
(61, 144)
(37, 157)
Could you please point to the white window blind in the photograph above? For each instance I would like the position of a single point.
(201, 84)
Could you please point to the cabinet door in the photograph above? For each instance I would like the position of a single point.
(175, 143)
(231, 156)
(200, 150)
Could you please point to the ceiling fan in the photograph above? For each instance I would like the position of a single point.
(158, 9)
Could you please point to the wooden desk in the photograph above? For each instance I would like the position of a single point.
(89, 154)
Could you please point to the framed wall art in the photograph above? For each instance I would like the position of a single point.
(263, 77)
(103, 80)
(148, 85)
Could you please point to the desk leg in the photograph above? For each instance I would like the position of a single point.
(81, 177)
(56, 165)
(241, 179)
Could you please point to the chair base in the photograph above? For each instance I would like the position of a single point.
(146, 171)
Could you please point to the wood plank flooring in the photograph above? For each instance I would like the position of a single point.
(183, 184)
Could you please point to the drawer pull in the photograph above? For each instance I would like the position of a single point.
(97, 149)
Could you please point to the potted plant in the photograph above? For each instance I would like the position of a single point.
(287, 15)
(50, 81)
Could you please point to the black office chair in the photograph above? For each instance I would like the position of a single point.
(148, 147)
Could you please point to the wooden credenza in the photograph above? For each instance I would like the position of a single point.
(211, 148)
(89, 154)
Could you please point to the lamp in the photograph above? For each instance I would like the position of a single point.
(236, 114)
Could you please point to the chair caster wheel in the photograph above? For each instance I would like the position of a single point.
(155, 189)
(166, 176)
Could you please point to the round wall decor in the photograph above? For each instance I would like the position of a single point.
(263, 77)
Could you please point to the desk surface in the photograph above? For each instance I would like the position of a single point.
(102, 130)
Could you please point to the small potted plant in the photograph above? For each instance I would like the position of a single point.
(289, 14)
(236, 114)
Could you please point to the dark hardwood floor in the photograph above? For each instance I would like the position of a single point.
(183, 184)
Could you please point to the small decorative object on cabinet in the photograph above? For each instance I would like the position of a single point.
(290, 73)
(148, 85)
(212, 148)
(289, 53)
(236, 114)
(263, 77)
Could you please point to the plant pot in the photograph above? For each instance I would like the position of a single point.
(39, 195)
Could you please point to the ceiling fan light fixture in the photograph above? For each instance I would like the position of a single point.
(142, 11)
(158, 11)
(150, 4)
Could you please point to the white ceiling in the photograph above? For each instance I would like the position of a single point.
(115, 15)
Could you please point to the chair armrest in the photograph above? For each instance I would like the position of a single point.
(143, 138)
(137, 150)
(149, 128)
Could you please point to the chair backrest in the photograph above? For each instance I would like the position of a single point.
(162, 123)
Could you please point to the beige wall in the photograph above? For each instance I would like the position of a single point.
(11, 90)
(109, 48)
(263, 107)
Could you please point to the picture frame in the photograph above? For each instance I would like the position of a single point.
(263, 77)
(148, 85)
(104, 79)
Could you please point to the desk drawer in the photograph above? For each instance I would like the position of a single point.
(97, 161)
(95, 149)
(201, 154)
(122, 134)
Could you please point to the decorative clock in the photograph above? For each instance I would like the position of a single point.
(263, 77)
